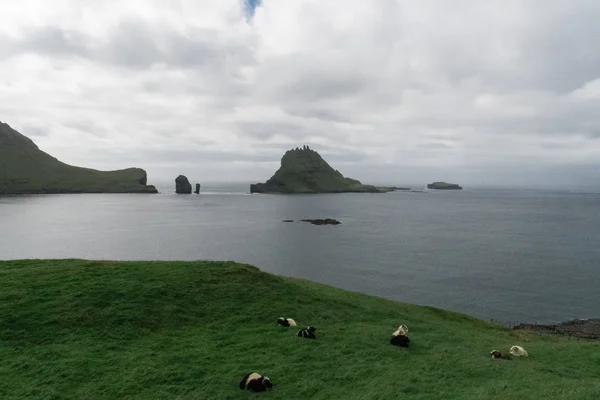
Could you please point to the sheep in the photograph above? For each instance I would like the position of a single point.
(518, 351)
(255, 382)
(308, 332)
(281, 321)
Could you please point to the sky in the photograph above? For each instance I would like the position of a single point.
(501, 92)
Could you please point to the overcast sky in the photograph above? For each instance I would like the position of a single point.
(388, 91)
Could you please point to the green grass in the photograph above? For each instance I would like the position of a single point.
(24, 169)
(78, 329)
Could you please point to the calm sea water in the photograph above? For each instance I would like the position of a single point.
(505, 254)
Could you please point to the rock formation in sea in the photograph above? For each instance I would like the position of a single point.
(197, 191)
(580, 328)
(25, 169)
(323, 221)
(303, 170)
(182, 185)
(443, 186)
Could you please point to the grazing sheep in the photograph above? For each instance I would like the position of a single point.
(402, 330)
(518, 351)
(399, 337)
(308, 333)
(286, 322)
(496, 355)
(255, 382)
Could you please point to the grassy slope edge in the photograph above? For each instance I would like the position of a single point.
(79, 329)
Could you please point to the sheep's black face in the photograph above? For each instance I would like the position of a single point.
(267, 382)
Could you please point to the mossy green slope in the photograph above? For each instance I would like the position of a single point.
(25, 169)
(305, 171)
(76, 329)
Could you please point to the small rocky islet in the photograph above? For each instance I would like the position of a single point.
(317, 221)
(443, 186)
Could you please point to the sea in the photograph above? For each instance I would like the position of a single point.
(509, 255)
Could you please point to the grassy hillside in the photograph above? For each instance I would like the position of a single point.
(305, 171)
(24, 168)
(76, 329)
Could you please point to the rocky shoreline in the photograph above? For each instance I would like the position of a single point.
(579, 328)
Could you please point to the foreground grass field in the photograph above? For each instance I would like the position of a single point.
(77, 329)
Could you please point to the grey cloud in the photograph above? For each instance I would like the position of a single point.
(135, 44)
(87, 127)
(320, 112)
(53, 40)
(435, 146)
(184, 156)
(268, 130)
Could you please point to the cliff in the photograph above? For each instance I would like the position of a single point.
(25, 169)
(305, 171)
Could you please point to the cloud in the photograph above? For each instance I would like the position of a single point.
(386, 90)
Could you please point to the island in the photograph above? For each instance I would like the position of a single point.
(25, 169)
(443, 186)
(303, 170)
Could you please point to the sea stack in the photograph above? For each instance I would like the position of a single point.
(182, 185)
(197, 191)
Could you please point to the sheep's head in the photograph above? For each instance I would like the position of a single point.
(495, 354)
(267, 382)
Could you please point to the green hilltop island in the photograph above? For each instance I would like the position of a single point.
(443, 186)
(303, 170)
(25, 169)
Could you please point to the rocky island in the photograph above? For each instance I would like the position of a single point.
(25, 169)
(182, 185)
(303, 170)
(443, 186)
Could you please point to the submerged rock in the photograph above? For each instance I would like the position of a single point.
(323, 221)
(182, 185)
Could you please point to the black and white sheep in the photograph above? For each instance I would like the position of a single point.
(308, 332)
(255, 382)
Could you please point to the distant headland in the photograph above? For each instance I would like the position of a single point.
(25, 169)
(303, 170)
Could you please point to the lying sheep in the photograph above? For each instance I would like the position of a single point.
(281, 321)
(518, 351)
(255, 382)
(308, 332)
